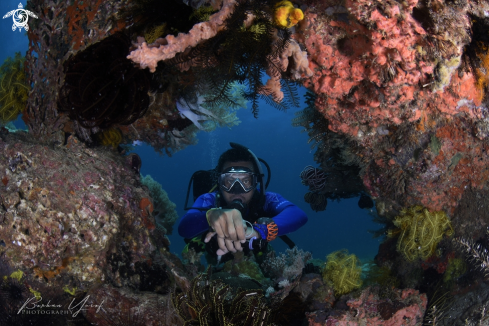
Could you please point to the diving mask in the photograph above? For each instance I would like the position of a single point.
(237, 180)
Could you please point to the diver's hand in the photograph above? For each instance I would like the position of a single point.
(229, 227)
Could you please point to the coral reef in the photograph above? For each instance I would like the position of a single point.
(391, 77)
(241, 266)
(148, 57)
(472, 208)
(403, 307)
(164, 210)
(60, 46)
(342, 271)
(400, 113)
(213, 303)
(122, 306)
(65, 208)
(61, 30)
(339, 163)
(102, 88)
(237, 44)
(286, 266)
(456, 267)
(470, 308)
(167, 131)
(110, 137)
(13, 89)
(475, 252)
(420, 231)
(16, 294)
(369, 67)
(432, 168)
(315, 293)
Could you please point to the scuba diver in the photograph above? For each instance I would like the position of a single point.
(240, 215)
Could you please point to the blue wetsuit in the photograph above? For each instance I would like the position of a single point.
(285, 214)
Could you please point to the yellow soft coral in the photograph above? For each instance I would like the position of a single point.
(286, 15)
(342, 271)
(420, 231)
(14, 90)
(110, 137)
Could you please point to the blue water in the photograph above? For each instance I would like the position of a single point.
(342, 225)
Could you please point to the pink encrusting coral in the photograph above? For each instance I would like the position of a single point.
(452, 162)
(460, 164)
(378, 65)
(63, 209)
(405, 307)
(393, 78)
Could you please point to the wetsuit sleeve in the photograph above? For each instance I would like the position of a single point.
(194, 222)
(286, 215)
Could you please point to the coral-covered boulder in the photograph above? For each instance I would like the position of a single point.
(107, 305)
(313, 291)
(68, 212)
(432, 168)
(402, 307)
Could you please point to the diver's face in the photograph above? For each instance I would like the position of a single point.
(244, 197)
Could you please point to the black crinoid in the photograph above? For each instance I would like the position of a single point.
(102, 87)
(238, 54)
(336, 154)
(211, 302)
